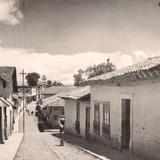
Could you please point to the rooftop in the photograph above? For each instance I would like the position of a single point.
(57, 89)
(148, 68)
(6, 72)
(77, 93)
(53, 101)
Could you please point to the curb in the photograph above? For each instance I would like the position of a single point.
(92, 153)
(18, 147)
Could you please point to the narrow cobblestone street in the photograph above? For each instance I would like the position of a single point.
(43, 146)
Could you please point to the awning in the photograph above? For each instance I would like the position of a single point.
(4, 103)
(13, 106)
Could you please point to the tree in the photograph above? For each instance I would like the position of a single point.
(99, 69)
(49, 83)
(93, 71)
(57, 83)
(32, 79)
(78, 77)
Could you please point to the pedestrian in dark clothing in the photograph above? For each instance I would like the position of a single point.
(61, 126)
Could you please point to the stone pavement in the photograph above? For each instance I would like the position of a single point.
(99, 149)
(32, 146)
(43, 146)
(9, 148)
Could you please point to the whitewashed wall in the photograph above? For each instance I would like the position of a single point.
(83, 106)
(145, 115)
(70, 114)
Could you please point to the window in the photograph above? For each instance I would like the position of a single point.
(106, 119)
(78, 111)
(96, 123)
(4, 84)
(77, 123)
(96, 112)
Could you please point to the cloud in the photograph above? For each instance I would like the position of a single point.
(9, 12)
(62, 67)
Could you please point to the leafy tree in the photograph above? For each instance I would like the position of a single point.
(32, 79)
(99, 69)
(49, 83)
(93, 71)
(57, 83)
(78, 77)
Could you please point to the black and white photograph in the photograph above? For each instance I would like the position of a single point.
(79, 79)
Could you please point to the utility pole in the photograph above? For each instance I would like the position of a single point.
(22, 73)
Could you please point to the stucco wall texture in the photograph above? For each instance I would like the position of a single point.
(70, 113)
(144, 116)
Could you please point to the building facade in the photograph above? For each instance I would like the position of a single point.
(77, 112)
(53, 108)
(125, 108)
(8, 86)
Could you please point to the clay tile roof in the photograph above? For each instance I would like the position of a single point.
(56, 89)
(6, 72)
(53, 101)
(142, 66)
(76, 93)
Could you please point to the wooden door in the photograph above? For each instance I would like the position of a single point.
(5, 123)
(125, 123)
(77, 123)
(1, 128)
(88, 123)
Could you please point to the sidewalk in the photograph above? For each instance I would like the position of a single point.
(98, 150)
(10, 147)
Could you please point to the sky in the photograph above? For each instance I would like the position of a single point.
(58, 37)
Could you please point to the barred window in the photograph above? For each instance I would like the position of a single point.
(96, 112)
(106, 119)
(96, 123)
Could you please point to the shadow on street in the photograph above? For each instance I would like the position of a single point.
(98, 148)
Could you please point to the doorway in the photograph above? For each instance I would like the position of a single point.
(5, 123)
(1, 128)
(88, 123)
(125, 123)
(77, 123)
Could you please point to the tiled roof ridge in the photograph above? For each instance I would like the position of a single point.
(6, 71)
(147, 64)
(7, 67)
(56, 89)
(76, 93)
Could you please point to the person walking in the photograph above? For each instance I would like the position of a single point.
(61, 126)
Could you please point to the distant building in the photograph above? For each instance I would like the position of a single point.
(51, 91)
(27, 94)
(53, 108)
(52, 104)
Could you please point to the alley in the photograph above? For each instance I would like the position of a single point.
(44, 146)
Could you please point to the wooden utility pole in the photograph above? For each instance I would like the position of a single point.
(22, 73)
